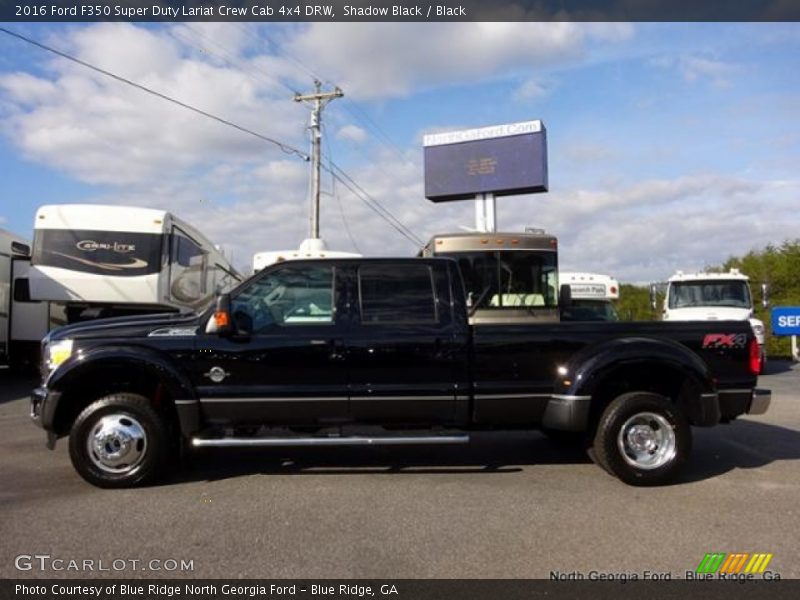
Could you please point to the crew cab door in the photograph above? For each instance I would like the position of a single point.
(405, 353)
(290, 369)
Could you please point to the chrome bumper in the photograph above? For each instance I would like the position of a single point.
(760, 402)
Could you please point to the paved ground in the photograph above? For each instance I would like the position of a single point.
(506, 506)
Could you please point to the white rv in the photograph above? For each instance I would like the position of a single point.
(22, 323)
(712, 297)
(101, 260)
(593, 297)
(310, 248)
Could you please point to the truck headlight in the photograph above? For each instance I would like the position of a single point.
(758, 329)
(56, 353)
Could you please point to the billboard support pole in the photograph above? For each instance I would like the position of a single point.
(485, 213)
(795, 353)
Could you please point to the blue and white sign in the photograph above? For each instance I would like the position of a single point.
(786, 320)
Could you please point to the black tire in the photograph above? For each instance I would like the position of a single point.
(656, 455)
(126, 415)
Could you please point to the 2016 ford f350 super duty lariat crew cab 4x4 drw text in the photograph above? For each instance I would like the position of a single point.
(321, 352)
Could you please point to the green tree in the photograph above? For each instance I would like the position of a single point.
(779, 268)
(634, 303)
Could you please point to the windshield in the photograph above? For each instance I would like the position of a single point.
(735, 293)
(590, 310)
(509, 279)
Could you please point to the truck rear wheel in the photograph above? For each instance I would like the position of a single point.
(643, 439)
(118, 441)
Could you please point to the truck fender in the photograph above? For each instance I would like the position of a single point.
(160, 366)
(592, 366)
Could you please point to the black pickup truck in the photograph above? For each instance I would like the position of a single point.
(381, 351)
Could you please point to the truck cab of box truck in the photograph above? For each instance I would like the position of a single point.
(713, 297)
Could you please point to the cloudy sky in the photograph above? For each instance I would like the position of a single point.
(671, 146)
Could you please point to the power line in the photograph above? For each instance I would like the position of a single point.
(335, 192)
(283, 147)
(351, 106)
(331, 168)
(361, 115)
(337, 172)
(371, 202)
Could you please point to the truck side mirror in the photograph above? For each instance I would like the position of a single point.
(221, 322)
(653, 297)
(764, 295)
(565, 296)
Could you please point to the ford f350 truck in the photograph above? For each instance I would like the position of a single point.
(381, 351)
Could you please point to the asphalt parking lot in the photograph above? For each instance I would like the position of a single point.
(508, 505)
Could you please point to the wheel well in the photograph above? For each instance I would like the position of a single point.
(92, 384)
(661, 379)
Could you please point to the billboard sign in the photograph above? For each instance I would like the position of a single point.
(501, 160)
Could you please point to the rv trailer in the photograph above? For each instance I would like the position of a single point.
(102, 261)
(23, 323)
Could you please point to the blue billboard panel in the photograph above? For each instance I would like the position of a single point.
(786, 320)
(500, 160)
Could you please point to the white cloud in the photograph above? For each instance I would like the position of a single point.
(717, 72)
(530, 90)
(382, 60)
(694, 68)
(353, 133)
(102, 131)
(647, 230)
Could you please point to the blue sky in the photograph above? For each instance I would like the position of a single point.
(671, 146)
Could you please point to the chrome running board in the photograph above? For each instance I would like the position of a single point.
(329, 441)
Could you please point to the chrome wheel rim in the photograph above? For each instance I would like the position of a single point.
(117, 443)
(647, 441)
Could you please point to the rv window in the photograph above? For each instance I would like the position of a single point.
(22, 290)
(20, 249)
(398, 294)
(111, 253)
(188, 271)
(508, 279)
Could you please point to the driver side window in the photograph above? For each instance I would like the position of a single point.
(289, 296)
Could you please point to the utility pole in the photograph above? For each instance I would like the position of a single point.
(318, 100)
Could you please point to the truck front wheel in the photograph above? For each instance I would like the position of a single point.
(642, 438)
(118, 441)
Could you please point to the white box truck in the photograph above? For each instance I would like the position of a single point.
(713, 297)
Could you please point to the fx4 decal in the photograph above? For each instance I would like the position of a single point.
(725, 340)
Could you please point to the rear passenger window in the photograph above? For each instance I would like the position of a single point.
(397, 294)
